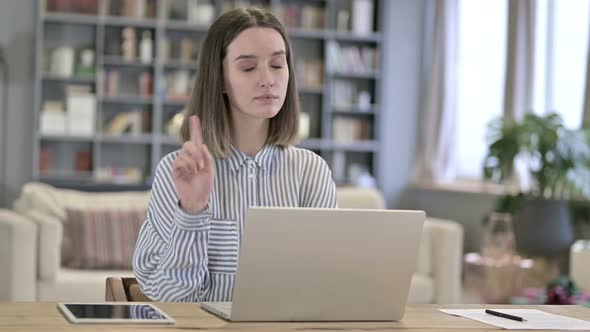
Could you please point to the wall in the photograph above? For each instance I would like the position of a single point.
(467, 208)
(400, 95)
(403, 55)
(17, 38)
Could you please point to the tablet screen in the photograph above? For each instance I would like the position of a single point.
(86, 312)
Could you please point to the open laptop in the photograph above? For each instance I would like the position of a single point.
(309, 264)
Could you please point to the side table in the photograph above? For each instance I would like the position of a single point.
(580, 264)
(496, 280)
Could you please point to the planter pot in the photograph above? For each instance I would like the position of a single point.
(544, 228)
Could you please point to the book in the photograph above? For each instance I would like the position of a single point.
(81, 110)
(126, 122)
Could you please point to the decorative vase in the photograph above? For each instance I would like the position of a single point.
(499, 240)
(544, 228)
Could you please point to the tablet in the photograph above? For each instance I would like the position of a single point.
(114, 313)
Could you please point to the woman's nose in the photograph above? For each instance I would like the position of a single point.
(266, 79)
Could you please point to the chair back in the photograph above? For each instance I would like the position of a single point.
(119, 289)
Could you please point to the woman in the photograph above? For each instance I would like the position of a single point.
(246, 99)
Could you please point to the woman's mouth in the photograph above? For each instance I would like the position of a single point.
(267, 97)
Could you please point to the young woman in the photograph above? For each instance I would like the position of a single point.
(237, 153)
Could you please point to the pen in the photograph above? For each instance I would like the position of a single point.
(504, 315)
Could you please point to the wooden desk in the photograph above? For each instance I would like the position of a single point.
(44, 316)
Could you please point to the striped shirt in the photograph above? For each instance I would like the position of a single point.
(183, 257)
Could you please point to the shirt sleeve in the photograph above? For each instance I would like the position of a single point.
(317, 185)
(170, 258)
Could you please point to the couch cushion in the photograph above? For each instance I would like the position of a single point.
(78, 285)
(103, 239)
(421, 289)
(53, 202)
(424, 265)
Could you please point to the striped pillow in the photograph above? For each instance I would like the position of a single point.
(103, 239)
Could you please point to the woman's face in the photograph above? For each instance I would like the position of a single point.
(256, 74)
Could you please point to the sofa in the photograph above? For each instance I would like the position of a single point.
(34, 246)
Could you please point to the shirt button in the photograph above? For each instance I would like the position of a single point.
(251, 176)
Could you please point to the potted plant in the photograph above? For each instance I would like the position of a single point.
(556, 162)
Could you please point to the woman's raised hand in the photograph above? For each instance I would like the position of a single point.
(193, 171)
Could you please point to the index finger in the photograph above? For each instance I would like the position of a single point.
(195, 130)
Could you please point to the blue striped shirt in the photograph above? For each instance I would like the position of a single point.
(183, 257)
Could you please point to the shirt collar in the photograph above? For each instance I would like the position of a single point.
(262, 159)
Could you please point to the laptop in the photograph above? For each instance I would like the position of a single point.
(310, 264)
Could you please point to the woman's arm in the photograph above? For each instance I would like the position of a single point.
(170, 259)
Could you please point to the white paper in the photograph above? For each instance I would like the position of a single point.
(535, 319)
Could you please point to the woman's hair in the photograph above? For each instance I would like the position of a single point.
(209, 102)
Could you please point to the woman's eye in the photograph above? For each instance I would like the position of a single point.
(276, 67)
(249, 69)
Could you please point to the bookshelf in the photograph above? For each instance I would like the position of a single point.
(106, 103)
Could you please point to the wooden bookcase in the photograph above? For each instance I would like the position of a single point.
(342, 130)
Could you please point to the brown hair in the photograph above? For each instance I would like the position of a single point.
(208, 101)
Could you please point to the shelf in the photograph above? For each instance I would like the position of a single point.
(88, 183)
(177, 64)
(151, 146)
(121, 21)
(352, 37)
(170, 140)
(359, 146)
(368, 75)
(307, 33)
(311, 90)
(312, 144)
(66, 138)
(135, 100)
(121, 62)
(62, 79)
(66, 176)
(331, 34)
(68, 18)
(184, 26)
(175, 103)
(354, 110)
(125, 138)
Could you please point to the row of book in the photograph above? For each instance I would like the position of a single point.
(348, 130)
(82, 161)
(355, 59)
(75, 117)
(306, 16)
(134, 122)
(351, 172)
(347, 95)
(110, 82)
(310, 73)
(80, 122)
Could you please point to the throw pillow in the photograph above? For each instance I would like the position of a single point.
(103, 239)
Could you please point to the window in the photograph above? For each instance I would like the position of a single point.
(560, 59)
(481, 71)
(561, 48)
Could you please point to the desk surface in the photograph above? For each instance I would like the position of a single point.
(44, 316)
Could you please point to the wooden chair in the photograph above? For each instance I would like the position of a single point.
(119, 289)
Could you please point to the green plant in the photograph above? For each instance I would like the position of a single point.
(557, 160)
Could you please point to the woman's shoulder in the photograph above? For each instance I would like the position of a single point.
(304, 156)
(165, 164)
